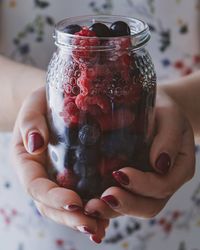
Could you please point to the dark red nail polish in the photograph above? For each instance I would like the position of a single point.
(111, 201)
(121, 177)
(72, 208)
(163, 163)
(35, 141)
(95, 239)
(94, 214)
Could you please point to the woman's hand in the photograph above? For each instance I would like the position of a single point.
(30, 140)
(172, 156)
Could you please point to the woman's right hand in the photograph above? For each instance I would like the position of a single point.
(30, 141)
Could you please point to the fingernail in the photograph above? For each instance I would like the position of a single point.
(121, 177)
(111, 201)
(95, 239)
(94, 214)
(72, 208)
(163, 163)
(35, 141)
(85, 230)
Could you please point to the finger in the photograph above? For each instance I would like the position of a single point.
(32, 123)
(98, 209)
(170, 125)
(162, 186)
(34, 178)
(100, 234)
(76, 220)
(127, 203)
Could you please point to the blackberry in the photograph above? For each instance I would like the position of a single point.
(100, 29)
(72, 29)
(120, 28)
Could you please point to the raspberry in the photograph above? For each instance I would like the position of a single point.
(72, 74)
(130, 94)
(70, 112)
(125, 60)
(118, 119)
(86, 32)
(86, 102)
(67, 179)
(120, 47)
(94, 80)
(71, 90)
(85, 40)
(106, 167)
(84, 85)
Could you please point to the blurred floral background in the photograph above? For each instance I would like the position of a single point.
(26, 28)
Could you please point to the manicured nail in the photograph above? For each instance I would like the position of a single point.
(94, 214)
(111, 201)
(95, 239)
(35, 141)
(72, 208)
(121, 177)
(163, 163)
(85, 230)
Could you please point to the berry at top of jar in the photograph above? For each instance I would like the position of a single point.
(118, 28)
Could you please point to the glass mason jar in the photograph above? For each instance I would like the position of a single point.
(100, 95)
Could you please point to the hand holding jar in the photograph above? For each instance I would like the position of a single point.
(101, 146)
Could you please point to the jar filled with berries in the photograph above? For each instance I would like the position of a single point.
(101, 87)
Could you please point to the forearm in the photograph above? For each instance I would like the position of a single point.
(186, 92)
(16, 82)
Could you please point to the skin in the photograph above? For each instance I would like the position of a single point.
(17, 81)
(150, 191)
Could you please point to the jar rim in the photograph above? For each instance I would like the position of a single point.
(140, 32)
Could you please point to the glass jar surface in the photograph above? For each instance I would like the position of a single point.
(100, 96)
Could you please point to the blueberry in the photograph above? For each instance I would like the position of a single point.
(120, 141)
(88, 155)
(89, 134)
(70, 157)
(72, 28)
(70, 137)
(100, 29)
(89, 188)
(120, 28)
(85, 170)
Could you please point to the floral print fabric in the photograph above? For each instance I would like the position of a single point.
(26, 29)
(175, 44)
(177, 227)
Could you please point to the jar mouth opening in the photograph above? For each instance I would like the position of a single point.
(140, 33)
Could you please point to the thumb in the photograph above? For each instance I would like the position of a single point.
(168, 139)
(32, 123)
